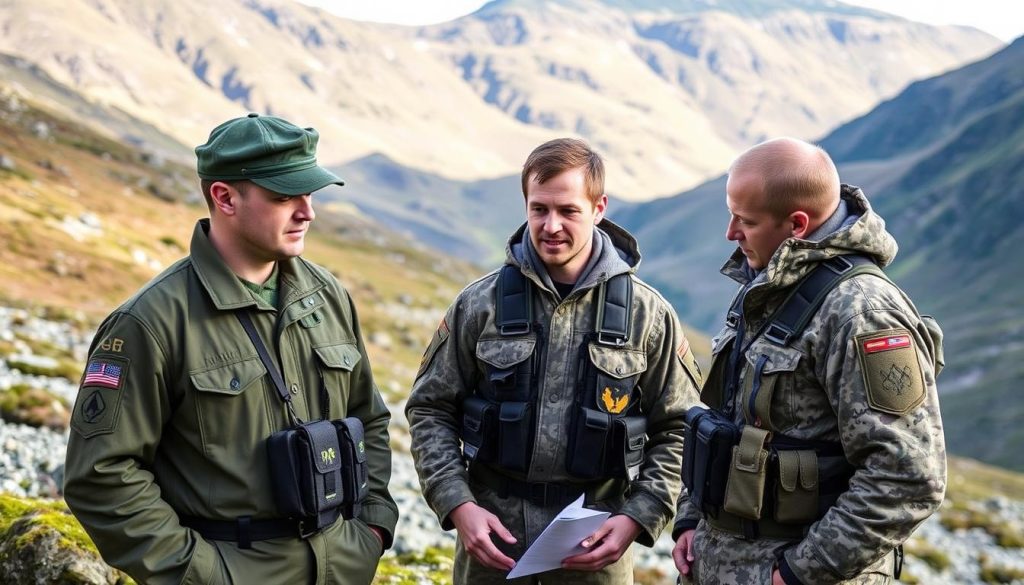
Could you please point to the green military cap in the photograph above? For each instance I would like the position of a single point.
(269, 151)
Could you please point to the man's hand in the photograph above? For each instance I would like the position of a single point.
(606, 545)
(777, 578)
(475, 526)
(682, 554)
(378, 532)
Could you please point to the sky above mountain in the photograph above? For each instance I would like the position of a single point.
(996, 17)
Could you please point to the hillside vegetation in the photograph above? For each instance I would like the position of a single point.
(85, 221)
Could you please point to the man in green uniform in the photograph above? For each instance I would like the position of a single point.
(559, 375)
(841, 454)
(167, 467)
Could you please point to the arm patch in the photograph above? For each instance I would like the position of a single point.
(99, 397)
(440, 336)
(892, 372)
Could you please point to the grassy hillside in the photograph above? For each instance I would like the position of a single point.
(85, 221)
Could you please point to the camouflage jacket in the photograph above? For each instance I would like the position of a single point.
(175, 409)
(454, 363)
(832, 384)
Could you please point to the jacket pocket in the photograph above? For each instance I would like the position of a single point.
(230, 405)
(336, 363)
(768, 397)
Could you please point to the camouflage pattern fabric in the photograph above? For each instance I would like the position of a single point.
(452, 369)
(834, 383)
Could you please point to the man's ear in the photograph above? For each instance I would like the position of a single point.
(800, 222)
(599, 208)
(224, 197)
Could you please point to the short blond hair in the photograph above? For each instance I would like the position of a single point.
(795, 176)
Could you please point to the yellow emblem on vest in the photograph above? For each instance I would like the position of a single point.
(614, 405)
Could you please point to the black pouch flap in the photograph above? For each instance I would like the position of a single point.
(323, 444)
(595, 419)
(476, 412)
(353, 429)
(633, 430)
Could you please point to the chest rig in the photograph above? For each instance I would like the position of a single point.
(746, 478)
(499, 418)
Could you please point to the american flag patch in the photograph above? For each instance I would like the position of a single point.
(101, 373)
(886, 343)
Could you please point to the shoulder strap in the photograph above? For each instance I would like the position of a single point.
(789, 321)
(261, 350)
(615, 310)
(515, 302)
(614, 306)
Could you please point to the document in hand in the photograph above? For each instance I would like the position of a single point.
(559, 540)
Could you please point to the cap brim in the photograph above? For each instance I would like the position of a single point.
(299, 182)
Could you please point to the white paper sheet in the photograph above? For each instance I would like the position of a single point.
(559, 540)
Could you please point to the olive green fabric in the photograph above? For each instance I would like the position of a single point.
(267, 292)
(183, 432)
(455, 361)
(822, 391)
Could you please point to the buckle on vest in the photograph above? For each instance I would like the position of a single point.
(732, 319)
(778, 334)
(514, 328)
(838, 264)
(612, 339)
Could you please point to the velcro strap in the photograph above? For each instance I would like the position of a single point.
(515, 305)
(752, 440)
(789, 469)
(614, 310)
(808, 469)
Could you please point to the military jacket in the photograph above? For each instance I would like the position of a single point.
(467, 340)
(175, 408)
(833, 384)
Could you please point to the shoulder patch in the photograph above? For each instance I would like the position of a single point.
(99, 397)
(689, 362)
(440, 336)
(892, 372)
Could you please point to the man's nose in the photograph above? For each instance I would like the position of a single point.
(305, 211)
(731, 233)
(553, 224)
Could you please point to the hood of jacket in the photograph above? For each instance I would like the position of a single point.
(865, 235)
(619, 254)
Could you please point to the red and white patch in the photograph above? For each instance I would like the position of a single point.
(886, 343)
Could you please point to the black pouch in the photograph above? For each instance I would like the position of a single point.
(587, 440)
(306, 478)
(707, 455)
(515, 435)
(479, 426)
(355, 477)
(626, 451)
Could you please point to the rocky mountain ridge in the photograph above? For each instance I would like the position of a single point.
(669, 91)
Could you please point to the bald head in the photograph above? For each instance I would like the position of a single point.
(794, 175)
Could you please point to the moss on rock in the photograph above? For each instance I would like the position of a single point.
(41, 542)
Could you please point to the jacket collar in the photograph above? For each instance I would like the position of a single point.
(295, 279)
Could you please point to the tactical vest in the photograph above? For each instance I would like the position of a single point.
(750, 479)
(606, 437)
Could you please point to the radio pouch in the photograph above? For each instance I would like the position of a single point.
(307, 479)
(587, 439)
(708, 441)
(626, 451)
(515, 435)
(355, 471)
(479, 428)
(744, 492)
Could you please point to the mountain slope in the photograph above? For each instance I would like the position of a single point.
(667, 90)
(943, 163)
(85, 221)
